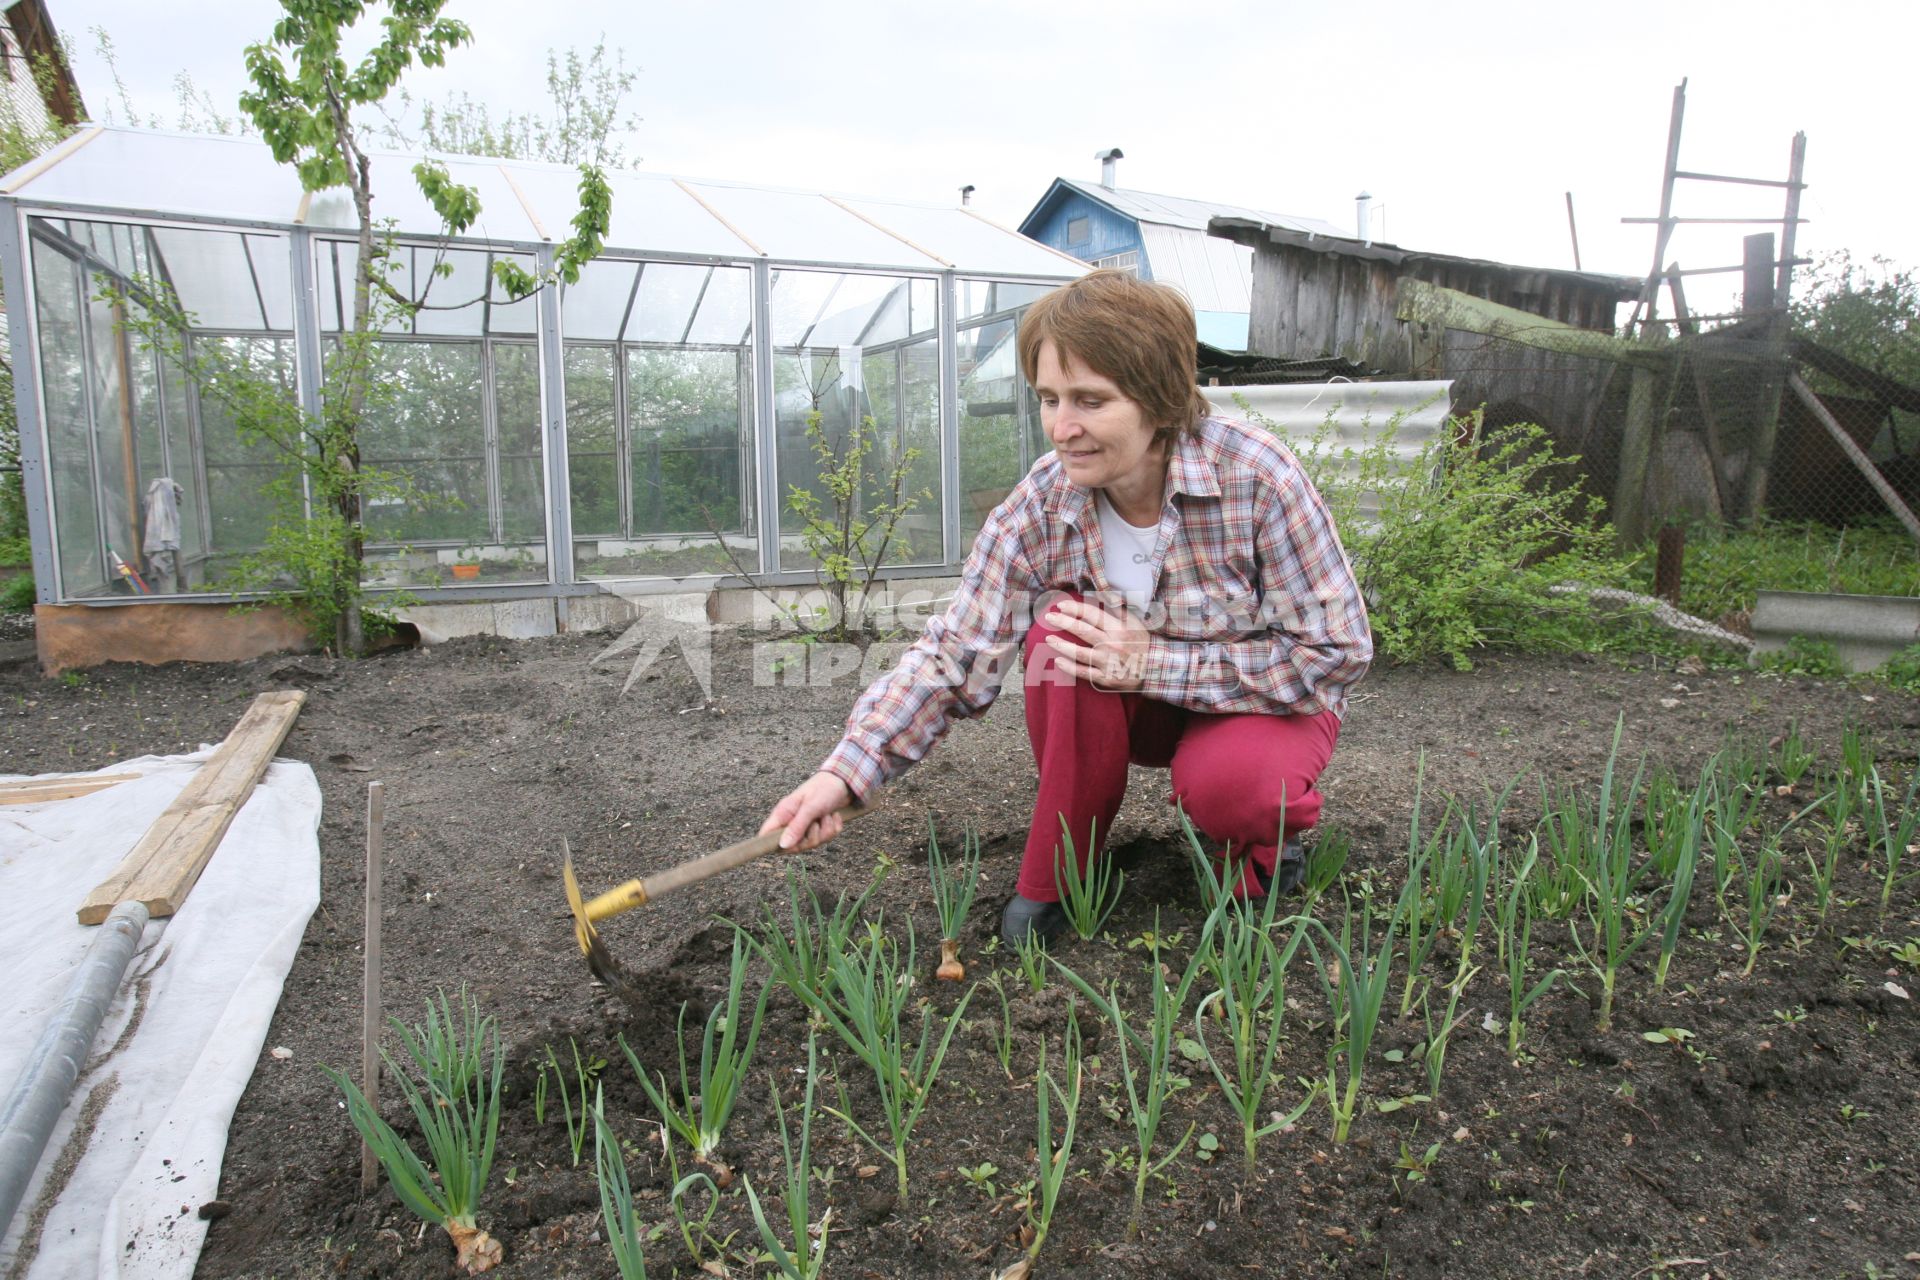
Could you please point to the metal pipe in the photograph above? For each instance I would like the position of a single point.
(40, 1094)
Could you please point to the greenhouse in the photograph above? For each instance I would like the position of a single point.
(644, 425)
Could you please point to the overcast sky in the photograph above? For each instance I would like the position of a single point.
(1468, 122)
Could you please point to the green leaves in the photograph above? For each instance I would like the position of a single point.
(1088, 896)
(624, 1229)
(589, 225)
(865, 1002)
(699, 1112)
(805, 1259)
(953, 884)
(456, 1103)
(850, 535)
(456, 204)
(1147, 1046)
(1055, 1155)
(1466, 540)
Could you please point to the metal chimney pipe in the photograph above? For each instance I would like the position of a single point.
(966, 195)
(1107, 161)
(1363, 216)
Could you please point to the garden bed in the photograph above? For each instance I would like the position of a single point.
(1777, 1139)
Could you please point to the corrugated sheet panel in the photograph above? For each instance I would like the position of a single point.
(1344, 417)
(1216, 274)
(1178, 211)
(143, 173)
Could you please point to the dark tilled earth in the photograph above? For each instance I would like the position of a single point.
(1783, 1144)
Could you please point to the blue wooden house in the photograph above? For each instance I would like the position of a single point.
(1161, 238)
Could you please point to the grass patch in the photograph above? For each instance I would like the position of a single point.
(16, 594)
(1726, 569)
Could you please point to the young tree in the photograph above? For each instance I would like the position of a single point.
(1868, 312)
(581, 125)
(24, 134)
(306, 115)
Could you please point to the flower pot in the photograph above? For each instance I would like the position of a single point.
(466, 572)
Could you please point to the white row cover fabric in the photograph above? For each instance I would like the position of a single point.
(181, 1039)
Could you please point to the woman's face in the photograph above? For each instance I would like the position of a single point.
(1102, 438)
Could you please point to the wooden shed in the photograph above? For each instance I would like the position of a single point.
(1320, 295)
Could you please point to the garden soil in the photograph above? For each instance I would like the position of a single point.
(1781, 1139)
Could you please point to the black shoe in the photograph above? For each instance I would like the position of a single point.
(1044, 921)
(1290, 872)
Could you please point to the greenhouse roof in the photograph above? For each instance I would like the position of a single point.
(146, 174)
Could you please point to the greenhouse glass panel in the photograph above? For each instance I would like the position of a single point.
(226, 279)
(593, 452)
(523, 488)
(68, 426)
(659, 427)
(516, 317)
(183, 453)
(453, 289)
(687, 423)
(979, 299)
(461, 468)
(246, 483)
(808, 227)
(115, 471)
(455, 420)
(999, 423)
(850, 366)
(424, 451)
(450, 286)
(903, 388)
(726, 308)
(594, 306)
(120, 430)
(671, 297)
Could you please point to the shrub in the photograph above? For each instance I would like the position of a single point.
(16, 594)
(1466, 541)
(1902, 671)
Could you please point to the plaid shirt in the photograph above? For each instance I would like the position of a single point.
(1254, 607)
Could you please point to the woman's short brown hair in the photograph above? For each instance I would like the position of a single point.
(1139, 334)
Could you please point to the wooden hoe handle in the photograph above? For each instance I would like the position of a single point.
(637, 893)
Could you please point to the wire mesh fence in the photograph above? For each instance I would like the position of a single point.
(1704, 432)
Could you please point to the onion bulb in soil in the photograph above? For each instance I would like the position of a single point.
(478, 1251)
(950, 967)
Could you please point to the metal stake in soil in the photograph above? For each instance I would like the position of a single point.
(370, 981)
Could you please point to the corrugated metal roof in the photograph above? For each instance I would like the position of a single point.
(1348, 418)
(140, 174)
(1178, 211)
(1216, 274)
(1259, 229)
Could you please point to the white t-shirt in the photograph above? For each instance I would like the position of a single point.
(1128, 552)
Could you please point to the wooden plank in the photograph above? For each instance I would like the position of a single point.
(1453, 309)
(59, 787)
(163, 867)
(1636, 451)
(1856, 455)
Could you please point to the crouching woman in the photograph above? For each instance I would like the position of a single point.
(1179, 596)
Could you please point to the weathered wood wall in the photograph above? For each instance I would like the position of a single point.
(1309, 303)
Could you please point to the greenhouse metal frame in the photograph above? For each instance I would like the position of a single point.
(640, 427)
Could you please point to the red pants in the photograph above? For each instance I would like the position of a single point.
(1230, 772)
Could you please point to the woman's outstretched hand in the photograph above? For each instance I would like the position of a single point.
(809, 813)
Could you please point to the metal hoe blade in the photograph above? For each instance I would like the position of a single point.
(599, 960)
